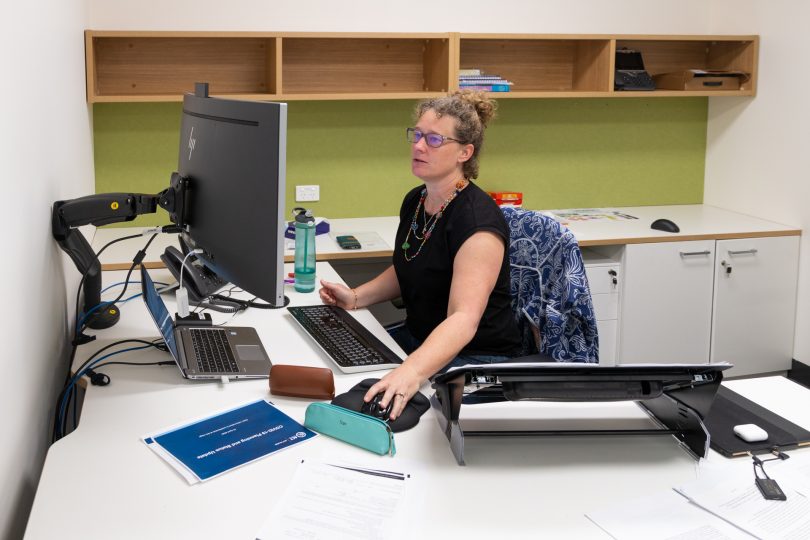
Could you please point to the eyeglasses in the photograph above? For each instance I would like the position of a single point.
(434, 140)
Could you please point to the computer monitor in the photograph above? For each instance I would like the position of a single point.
(233, 157)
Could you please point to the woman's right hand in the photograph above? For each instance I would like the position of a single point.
(337, 294)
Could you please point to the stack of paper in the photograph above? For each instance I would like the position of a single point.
(206, 448)
(724, 503)
(665, 515)
(739, 501)
(342, 502)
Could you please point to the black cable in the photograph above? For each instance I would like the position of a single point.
(79, 330)
(780, 456)
(55, 429)
(84, 277)
(74, 341)
(222, 306)
(252, 303)
(62, 426)
(135, 262)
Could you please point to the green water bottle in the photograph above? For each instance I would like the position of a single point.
(304, 250)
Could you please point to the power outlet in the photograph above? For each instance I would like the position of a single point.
(307, 193)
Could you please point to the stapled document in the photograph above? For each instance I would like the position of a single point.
(340, 501)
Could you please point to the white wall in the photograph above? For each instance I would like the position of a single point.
(513, 16)
(758, 150)
(45, 154)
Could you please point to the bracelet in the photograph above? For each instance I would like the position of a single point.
(355, 300)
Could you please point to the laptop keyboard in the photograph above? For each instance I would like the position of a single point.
(212, 351)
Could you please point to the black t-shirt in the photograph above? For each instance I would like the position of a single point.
(424, 281)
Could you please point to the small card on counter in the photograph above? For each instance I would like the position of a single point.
(206, 448)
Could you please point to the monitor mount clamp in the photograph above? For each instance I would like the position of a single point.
(103, 209)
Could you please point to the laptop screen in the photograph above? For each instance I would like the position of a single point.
(157, 308)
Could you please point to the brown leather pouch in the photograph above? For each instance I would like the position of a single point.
(300, 381)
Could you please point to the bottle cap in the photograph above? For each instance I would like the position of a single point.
(302, 215)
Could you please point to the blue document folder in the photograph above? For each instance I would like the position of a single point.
(214, 445)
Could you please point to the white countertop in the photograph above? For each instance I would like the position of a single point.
(696, 222)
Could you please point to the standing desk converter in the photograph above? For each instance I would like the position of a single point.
(677, 397)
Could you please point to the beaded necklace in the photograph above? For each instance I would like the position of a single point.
(428, 224)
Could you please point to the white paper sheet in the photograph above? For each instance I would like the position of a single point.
(341, 502)
(665, 515)
(738, 501)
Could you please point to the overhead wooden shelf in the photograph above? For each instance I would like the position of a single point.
(160, 66)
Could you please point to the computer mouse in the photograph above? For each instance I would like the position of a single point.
(375, 409)
(666, 225)
(750, 433)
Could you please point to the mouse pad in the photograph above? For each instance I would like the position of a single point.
(730, 409)
(416, 407)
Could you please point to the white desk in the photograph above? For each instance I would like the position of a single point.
(102, 482)
(696, 221)
(119, 256)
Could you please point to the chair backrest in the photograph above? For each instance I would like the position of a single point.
(550, 293)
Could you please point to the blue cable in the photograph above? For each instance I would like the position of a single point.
(105, 304)
(81, 374)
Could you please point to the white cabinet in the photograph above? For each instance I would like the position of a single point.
(755, 304)
(710, 301)
(603, 275)
(666, 303)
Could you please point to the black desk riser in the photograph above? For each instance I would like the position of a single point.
(676, 397)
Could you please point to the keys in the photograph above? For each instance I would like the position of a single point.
(212, 351)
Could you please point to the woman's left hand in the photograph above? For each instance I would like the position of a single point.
(399, 385)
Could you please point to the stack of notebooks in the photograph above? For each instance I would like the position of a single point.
(476, 79)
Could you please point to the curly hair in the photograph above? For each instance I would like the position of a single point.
(471, 110)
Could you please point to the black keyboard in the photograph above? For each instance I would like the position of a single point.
(350, 345)
(212, 351)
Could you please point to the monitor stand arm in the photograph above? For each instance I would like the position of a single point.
(103, 209)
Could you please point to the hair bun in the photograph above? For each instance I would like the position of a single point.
(483, 105)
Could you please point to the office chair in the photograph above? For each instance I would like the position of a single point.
(550, 294)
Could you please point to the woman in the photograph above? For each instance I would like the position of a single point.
(450, 264)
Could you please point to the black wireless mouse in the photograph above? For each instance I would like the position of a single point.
(665, 225)
(374, 407)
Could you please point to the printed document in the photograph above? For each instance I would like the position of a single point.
(206, 448)
(739, 501)
(341, 502)
(665, 515)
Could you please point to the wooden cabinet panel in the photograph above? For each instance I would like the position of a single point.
(537, 65)
(341, 65)
(161, 66)
(132, 66)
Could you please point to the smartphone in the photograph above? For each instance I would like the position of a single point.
(347, 242)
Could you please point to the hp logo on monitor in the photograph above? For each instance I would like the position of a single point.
(192, 142)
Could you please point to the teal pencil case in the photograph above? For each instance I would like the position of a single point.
(352, 427)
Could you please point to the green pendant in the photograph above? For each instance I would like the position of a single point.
(406, 245)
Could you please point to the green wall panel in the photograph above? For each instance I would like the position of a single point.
(560, 153)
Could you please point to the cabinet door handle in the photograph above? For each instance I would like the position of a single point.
(752, 251)
(693, 253)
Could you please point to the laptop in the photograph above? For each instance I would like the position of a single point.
(207, 351)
